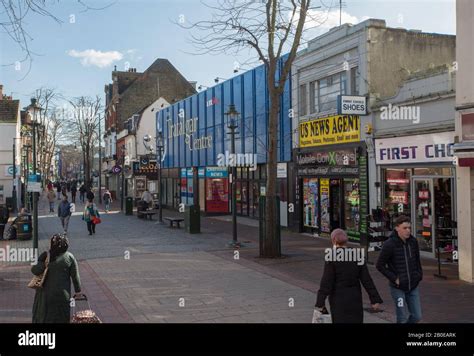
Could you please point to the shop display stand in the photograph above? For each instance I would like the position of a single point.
(378, 224)
(453, 240)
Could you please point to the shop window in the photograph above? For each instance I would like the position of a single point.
(355, 81)
(313, 97)
(302, 100)
(397, 191)
(352, 205)
(311, 202)
(329, 89)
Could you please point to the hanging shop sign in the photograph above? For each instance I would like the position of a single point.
(327, 158)
(215, 172)
(140, 169)
(116, 169)
(351, 105)
(330, 130)
(436, 147)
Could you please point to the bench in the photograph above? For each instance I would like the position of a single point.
(174, 220)
(146, 214)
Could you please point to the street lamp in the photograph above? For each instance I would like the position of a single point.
(232, 116)
(14, 193)
(159, 149)
(33, 110)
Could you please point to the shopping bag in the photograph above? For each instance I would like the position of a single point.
(96, 220)
(37, 281)
(86, 316)
(320, 318)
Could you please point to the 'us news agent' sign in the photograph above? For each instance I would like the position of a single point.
(351, 105)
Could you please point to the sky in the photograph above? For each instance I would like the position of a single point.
(76, 57)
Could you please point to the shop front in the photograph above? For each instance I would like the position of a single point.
(331, 177)
(213, 189)
(418, 180)
(145, 177)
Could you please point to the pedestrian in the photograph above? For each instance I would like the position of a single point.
(82, 192)
(107, 200)
(52, 301)
(58, 189)
(51, 199)
(399, 261)
(73, 192)
(90, 195)
(50, 185)
(90, 212)
(68, 186)
(147, 198)
(64, 212)
(341, 283)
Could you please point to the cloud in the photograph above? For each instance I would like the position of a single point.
(91, 57)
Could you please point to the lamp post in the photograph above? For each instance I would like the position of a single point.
(14, 193)
(232, 116)
(25, 175)
(33, 109)
(159, 150)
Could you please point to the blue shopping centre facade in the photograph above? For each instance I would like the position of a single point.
(195, 132)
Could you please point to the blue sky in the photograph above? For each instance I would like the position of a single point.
(77, 58)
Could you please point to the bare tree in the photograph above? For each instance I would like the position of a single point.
(82, 127)
(49, 129)
(273, 29)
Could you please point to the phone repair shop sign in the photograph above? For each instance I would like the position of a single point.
(436, 147)
(351, 105)
(330, 130)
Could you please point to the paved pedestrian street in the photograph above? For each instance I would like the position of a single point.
(138, 271)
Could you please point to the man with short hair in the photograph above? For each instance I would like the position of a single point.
(399, 261)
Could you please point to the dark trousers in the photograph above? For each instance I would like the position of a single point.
(73, 195)
(91, 227)
(81, 196)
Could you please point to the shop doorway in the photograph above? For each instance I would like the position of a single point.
(433, 213)
(335, 204)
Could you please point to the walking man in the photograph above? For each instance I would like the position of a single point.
(82, 192)
(64, 212)
(400, 263)
(73, 192)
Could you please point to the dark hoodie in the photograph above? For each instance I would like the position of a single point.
(401, 259)
(64, 209)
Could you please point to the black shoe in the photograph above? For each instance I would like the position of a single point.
(90, 234)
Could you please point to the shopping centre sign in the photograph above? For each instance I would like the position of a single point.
(330, 130)
(188, 128)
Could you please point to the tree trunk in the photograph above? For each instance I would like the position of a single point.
(271, 243)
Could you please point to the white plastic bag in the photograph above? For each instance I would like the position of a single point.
(320, 318)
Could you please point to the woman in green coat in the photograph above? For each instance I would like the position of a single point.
(52, 301)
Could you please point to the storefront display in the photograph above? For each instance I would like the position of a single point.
(311, 202)
(425, 193)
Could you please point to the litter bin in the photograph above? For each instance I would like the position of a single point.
(129, 206)
(24, 230)
(192, 219)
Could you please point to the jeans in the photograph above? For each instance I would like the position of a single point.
(65, 222)
(91, 227)
(407, 305)
(107, 206)
(51, 206)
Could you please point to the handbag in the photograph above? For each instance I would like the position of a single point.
(96, 220)
(37, 281)
(321, 318)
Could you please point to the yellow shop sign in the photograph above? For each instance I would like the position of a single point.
(330, 130)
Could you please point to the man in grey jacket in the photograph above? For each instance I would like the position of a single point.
(64, 212)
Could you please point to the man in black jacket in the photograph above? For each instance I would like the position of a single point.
(400, 262)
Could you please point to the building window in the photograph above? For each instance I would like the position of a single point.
(313, 97)
(355, 81)
(329, 89)
(302, 102)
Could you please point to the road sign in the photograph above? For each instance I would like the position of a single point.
(116, 169)
(34, 183)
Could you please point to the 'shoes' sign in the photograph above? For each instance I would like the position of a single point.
(330, 130)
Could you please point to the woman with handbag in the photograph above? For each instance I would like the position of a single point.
(341, 282)
(53, 274)
(91, 216)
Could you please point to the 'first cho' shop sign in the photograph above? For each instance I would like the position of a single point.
(415, 149)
